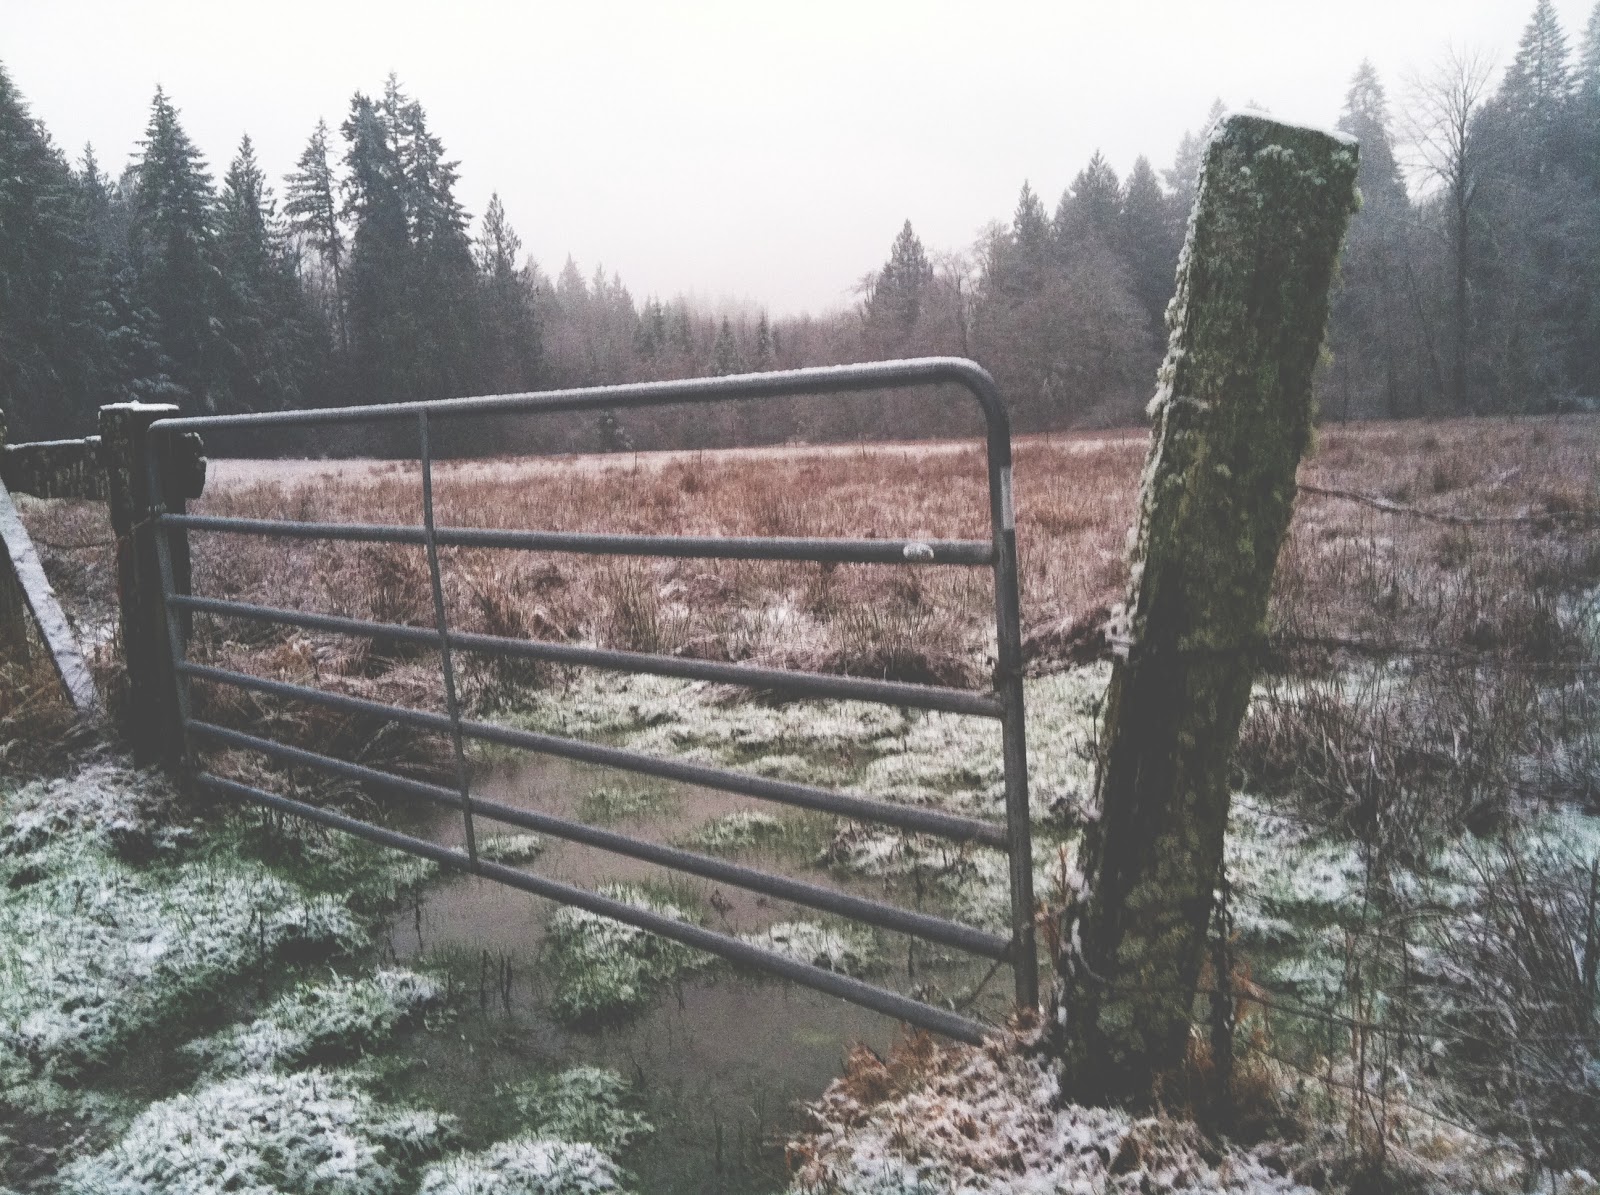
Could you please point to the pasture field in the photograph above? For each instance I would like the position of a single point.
(1412, 927)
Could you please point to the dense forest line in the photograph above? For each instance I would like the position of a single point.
(1474, 289)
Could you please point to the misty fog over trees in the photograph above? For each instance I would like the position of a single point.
(1470, 279)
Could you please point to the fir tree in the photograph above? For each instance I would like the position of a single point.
(511, 347)
(900, 287)
(763, 359)
(1532, 105)
(382, 337)
(1148, 243)
(1026, 253)
(174, 244)
(1090, 207)
(1366, 118)
(266, 325)
(312, 208)
(725, 358)
(47, 344)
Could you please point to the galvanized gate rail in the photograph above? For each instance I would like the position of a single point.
(1005, 704)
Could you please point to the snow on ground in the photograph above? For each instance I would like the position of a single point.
(340, 1016)
(990, 1120)
(97, 949)
(262, 1134)
(842, 948)
(604, 968)
(525, 1166)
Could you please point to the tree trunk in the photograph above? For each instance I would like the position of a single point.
(1232, 417)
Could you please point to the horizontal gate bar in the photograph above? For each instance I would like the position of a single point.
(856, 991)
(804, 796)
(786, 383)
(705, 547)
(804, 684)
(801, 892)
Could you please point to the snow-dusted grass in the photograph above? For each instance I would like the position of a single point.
(585, 1103)
(842, 948)
(917, 757)
(959, 1119)
(626, 802)
(510, 848)
(312, 1133)
(604, 968)
(317, 1021)
(526, 1166)
(742, 830)
(95, 950)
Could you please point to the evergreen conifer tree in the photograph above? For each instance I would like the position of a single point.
(725, 358)
(902, 284)
(511, 348)
(1090, 207)
(763, 358)
(1146, 241)
(266, 323)
(47, 354)
(174, 248)
(1366, 118)
(311, 206)
(1532, 105)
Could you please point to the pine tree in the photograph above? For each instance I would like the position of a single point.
(266, 324)
(725, 358)
(47, 348)
(763, 359)
(1090, 207)
(900, 287)
(311, 206)
(511, 342)
(382, 337)
(1027, 252)
(1366, 118)
(1532, 104)
(1586, 101)
(1146, 241)
(174, 248)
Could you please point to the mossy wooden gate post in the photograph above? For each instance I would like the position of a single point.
(151, 711)
(13, 609)
(1232, 418)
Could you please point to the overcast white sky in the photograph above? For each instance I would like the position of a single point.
(748, 149)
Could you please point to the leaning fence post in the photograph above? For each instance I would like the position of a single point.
(1232, 418)
(13, 608)
(151, 697)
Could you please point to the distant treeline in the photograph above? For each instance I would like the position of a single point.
(364, 280)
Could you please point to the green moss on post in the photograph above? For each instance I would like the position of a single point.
(1232, 417)
(151, 701)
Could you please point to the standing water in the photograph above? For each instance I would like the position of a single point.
(722, 1059)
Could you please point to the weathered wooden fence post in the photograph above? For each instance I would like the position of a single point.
(13, 608)
(151, 711)
(1232, 418)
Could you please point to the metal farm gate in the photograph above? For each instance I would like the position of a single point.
(1004, 704)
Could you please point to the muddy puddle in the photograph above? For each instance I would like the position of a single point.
(722, 1059)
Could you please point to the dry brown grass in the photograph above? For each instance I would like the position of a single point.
(1350, 574)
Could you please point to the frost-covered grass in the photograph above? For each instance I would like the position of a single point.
(585, 1103)
(843, 948)
(95, 949)
(526, 1166)
(611, 803)
(605, 969)
(320, 1021)
(935, 1119)
(510, 848)
(918, 757)
(312, 1133)
(742, 830)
